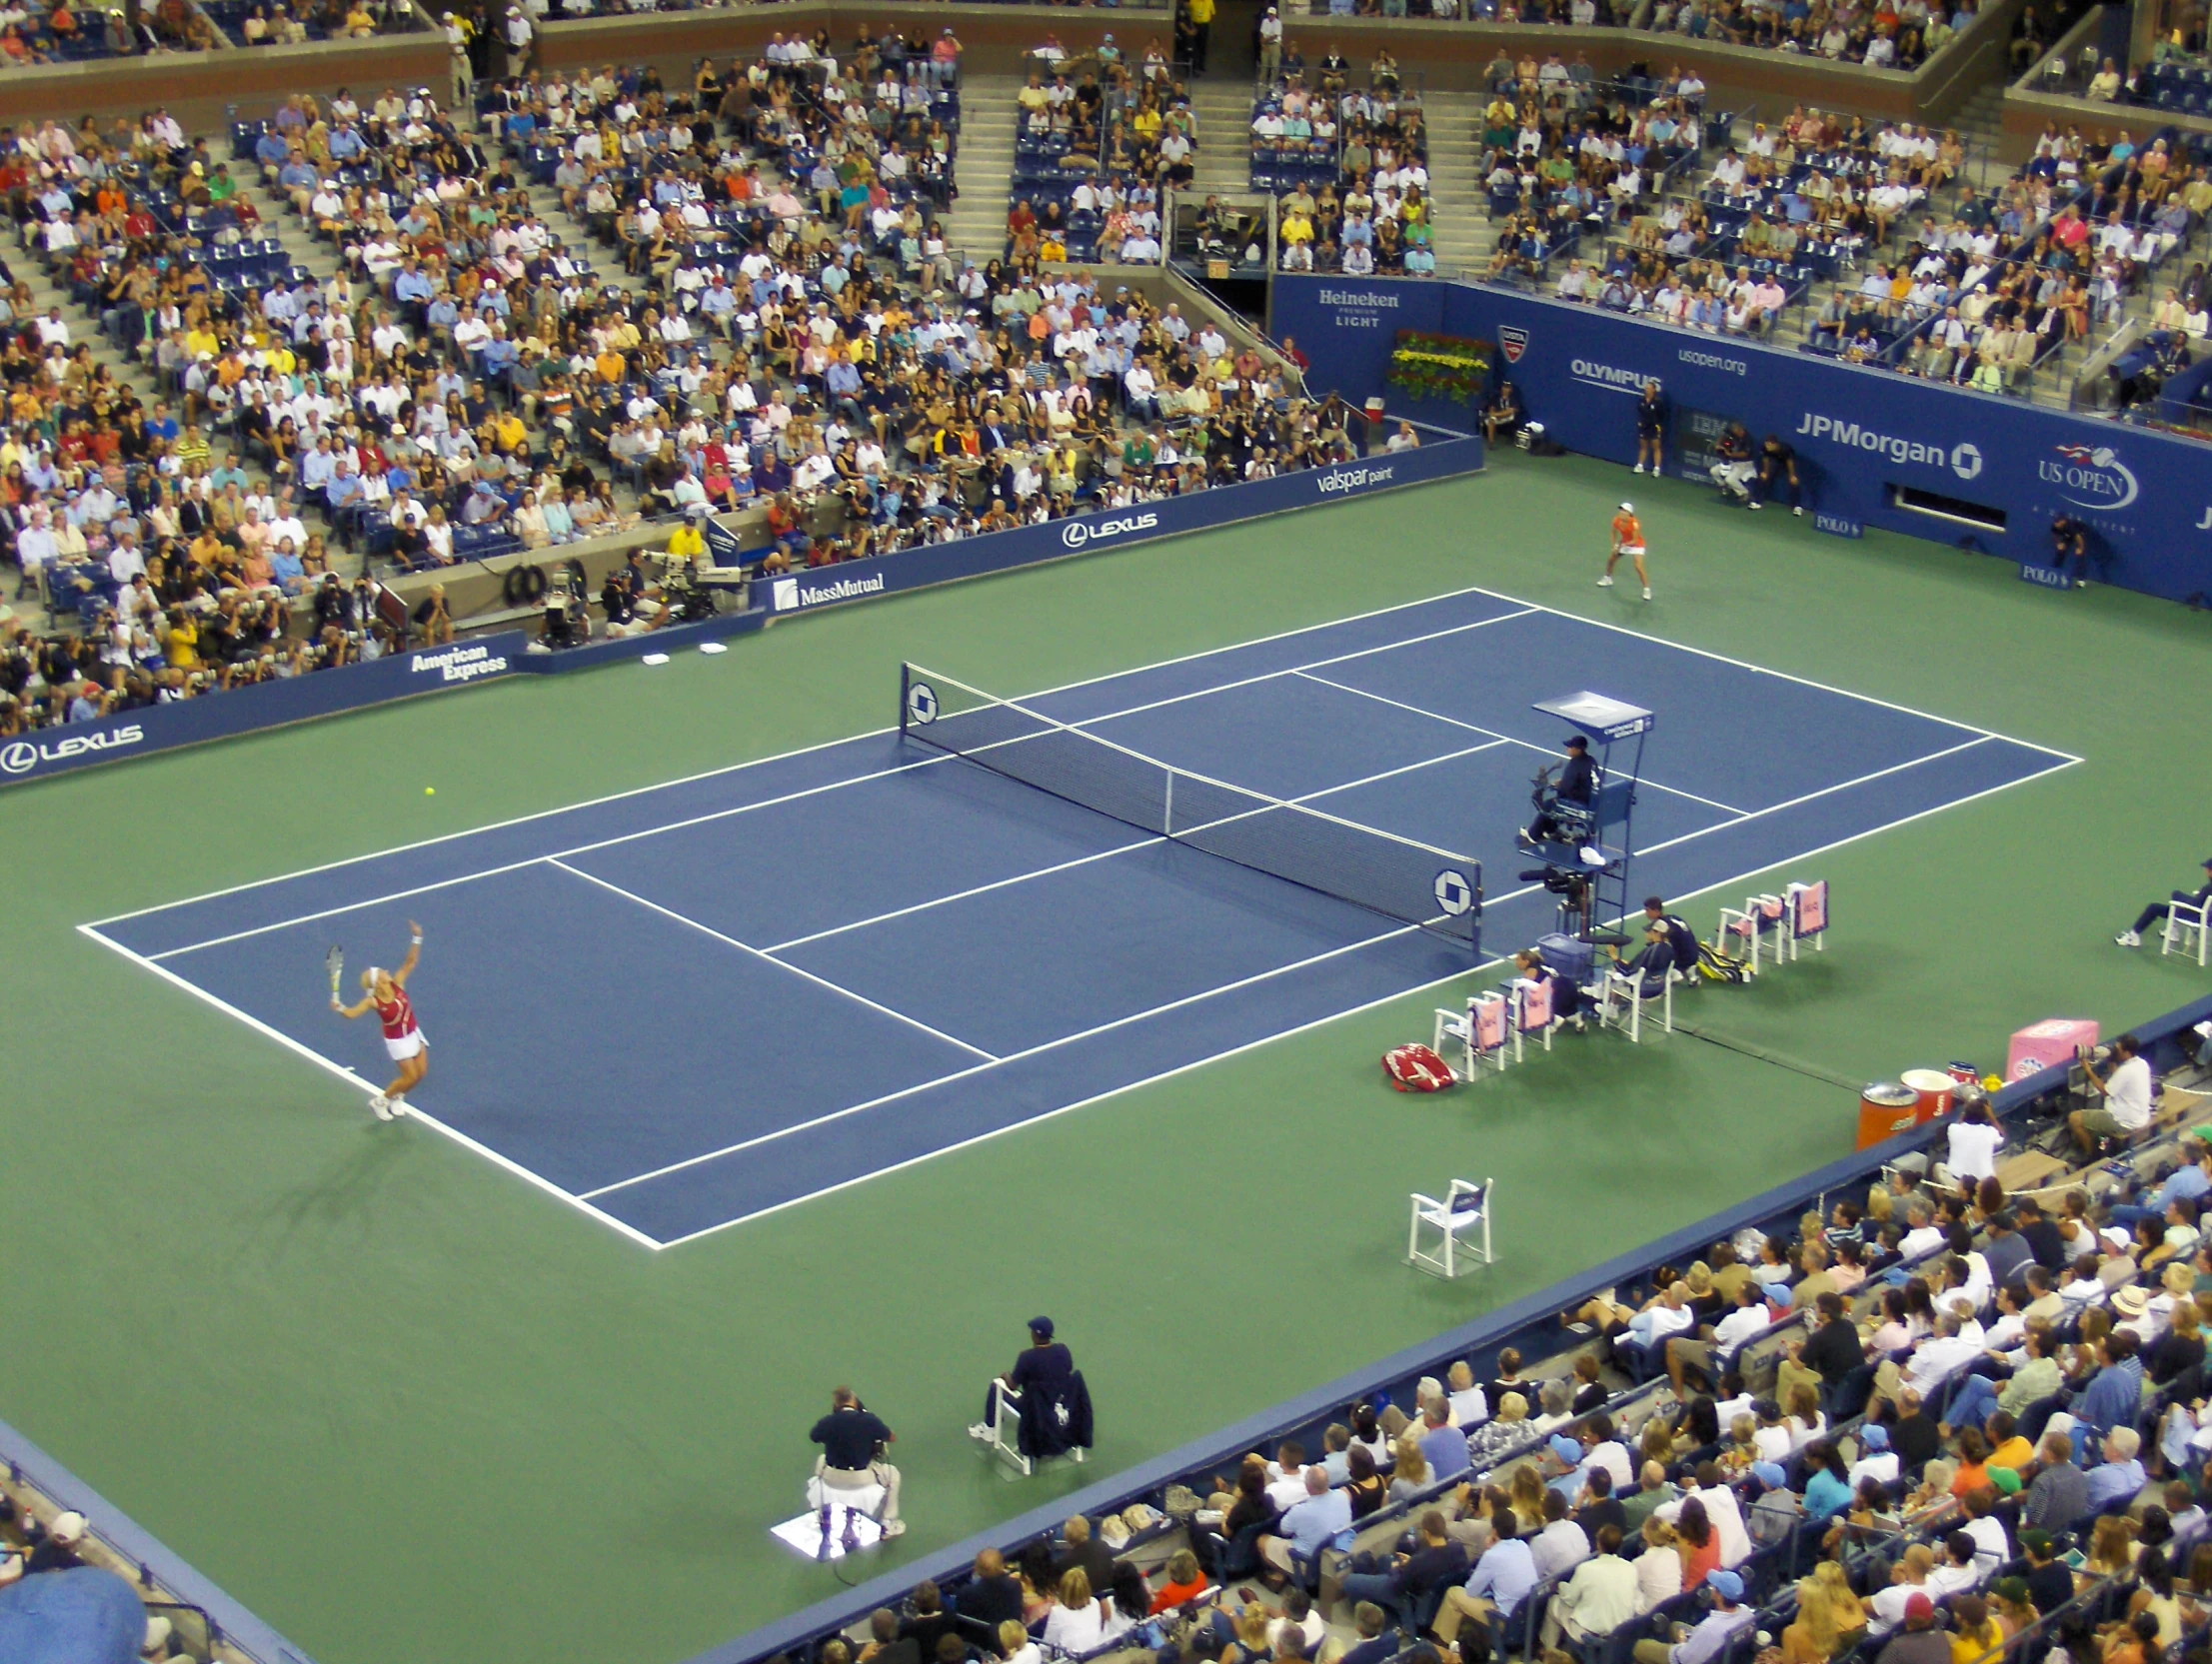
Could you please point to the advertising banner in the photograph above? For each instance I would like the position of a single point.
(1874, 449)
(942, 563)
(54, 751)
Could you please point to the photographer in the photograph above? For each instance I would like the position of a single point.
(433, 620)
(1733, 472)
(614, 602)
(2070, 543)
(1778, 472)
(853, 1438)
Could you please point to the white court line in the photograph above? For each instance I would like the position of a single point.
(1840, 785)
(534, 860)
(1504, 739)
(1526, 607)
(795, 751)
(1265, 676)
(1011, 1057)
(1524, 610)
(748, 948)
(1785, 676)
(1117, 850)
(1349, 1011)
(346, 1074)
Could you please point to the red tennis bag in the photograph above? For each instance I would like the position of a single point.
(1415, 1069)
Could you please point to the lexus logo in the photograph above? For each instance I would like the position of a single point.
(19, 759)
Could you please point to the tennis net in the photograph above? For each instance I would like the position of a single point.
(1416, 883)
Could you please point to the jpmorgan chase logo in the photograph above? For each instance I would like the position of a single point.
(1962, 459)
(2089, 476)
(1077, 534)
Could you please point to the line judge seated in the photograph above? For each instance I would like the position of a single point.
(1045, 1392)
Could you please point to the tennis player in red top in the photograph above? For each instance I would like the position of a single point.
(1628, 541)
(404, 1038)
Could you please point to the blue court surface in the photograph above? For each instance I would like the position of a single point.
(687, 1007)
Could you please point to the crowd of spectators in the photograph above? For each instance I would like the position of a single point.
(1348, 163)
(783, 334)
(59, 33)
(1565, 157)
(1939, 1418)
(1882, 34)
(1997, 286)
(1097, 141)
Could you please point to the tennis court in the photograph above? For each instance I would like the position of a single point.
(686, 1006)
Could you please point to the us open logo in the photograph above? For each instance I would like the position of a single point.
(1453, 893)
(1512, 340)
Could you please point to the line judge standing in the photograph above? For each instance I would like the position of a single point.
(853, 1438)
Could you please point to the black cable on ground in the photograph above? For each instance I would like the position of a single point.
(1812, 1072)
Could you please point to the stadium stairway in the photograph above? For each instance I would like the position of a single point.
(300, 246)
(1223, 105)
(84, 326)
(1464, 236)
(977, 227)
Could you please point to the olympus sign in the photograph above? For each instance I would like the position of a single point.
(1076, 533)
(1609, 376)
(20, 757)
(1962, 459)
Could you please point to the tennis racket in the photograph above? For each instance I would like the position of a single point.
(336, 962)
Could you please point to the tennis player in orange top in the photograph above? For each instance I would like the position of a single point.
(1628, 541)
(386, 993)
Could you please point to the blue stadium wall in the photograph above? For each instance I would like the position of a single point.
(1862, 436)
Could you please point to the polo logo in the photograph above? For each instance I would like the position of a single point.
(1512, 340)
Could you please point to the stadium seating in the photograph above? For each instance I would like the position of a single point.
(1758, 1439)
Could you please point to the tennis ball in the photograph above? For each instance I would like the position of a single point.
(429, 792)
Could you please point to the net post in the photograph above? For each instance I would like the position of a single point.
(906, 683)
(1167, 809)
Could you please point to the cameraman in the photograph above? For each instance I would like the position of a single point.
(617, 603)
(852, 1437)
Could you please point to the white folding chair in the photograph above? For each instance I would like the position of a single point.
(1481, 1031)
(1533, 1016)
(2184, 919)
(1462, 1224)
(1002, 1433)
(1808, 920)
(1622, 999)
(1744, 928)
